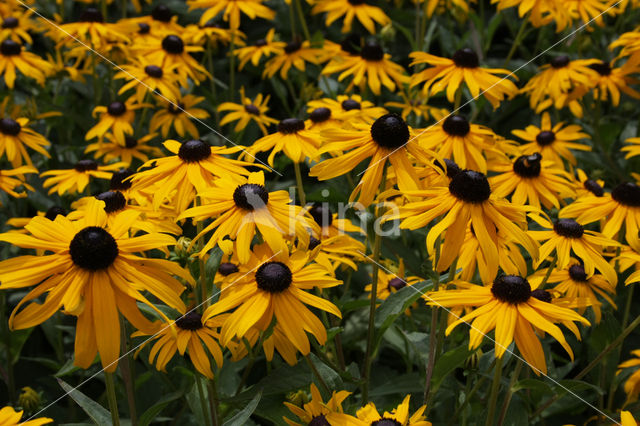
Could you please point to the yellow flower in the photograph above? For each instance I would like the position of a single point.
(294, 53)
(632, 385)
(369, 415)
(262, 47)
(178, 115)
(249, 110)
(76, 179)
(315, 411)
(12, 57)
(14, 135)
(16, 25)
(12, 179)
(90, 30)
(414, 104)
(117, 117)
(172, 51)
(365, 13)
(133, 148)
(348, 108)
(146, 78)
(611, 80)
(10, 417)
(231, 10)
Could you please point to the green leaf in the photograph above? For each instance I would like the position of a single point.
(241, 418)
(331, 378)
(532, 384)
(97, 413)
(151, 413)
(576, 386)
(447, 363)
(213, 262)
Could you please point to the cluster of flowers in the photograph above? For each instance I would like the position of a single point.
(488, 203)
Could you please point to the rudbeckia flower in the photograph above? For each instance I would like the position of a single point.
(467, 200)
(212, 34)
(190, 335)
(365, 13)
(90, 30)
(178, 115)
(348, 108)
(249, 110)
(194, 167)
(369, 415)
(390, 282)
(10, 417)
(415, 104)
(93, 274)
(264, 288)
(573, 282)
(448, 74)
(231, 10)
(161, 20)
(320, 119)
(633, 149)
(626, 418)
(76, 179)
(531, 181)
(263, 47)
(14, 135)
(447, 6)
(553, 142)
(12, 57)
(627, 259)
(387, 139)
(511, 308)
(565, 236)
(315, 411)
(294, 53)
(466, 143)
(117, 118)
(372, 67)
(630, 43)
(586, 186)
(12, 179)
(539, 12)
(292, 138)
(239, 207)
(611, 80)
(632, 385)
(172, 51)
(146, 78)
(621, 207)
(133, 148)
(16, 26)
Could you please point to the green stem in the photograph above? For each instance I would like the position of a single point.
(433, 338)
(458, 100)
(317, 374)
(301, 194)
(203, 404)
(111, 397)
(550, 269)
(303, 21)
(145, 110)
(213, 401)
(214, 96)
(507, 399)
(202, 279)
(292, 20)
(469, 396)
(126, 371)
(11, 385)
(495, 388)
(232, 67)
(517, 40)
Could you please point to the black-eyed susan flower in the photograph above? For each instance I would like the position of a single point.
(264, 47)
(190, 335)
(630, 258)
(12, 180)
(557, 81)
(147, 78)
(366, 13)
(76, 179)
(539, 12)
(466, 143)
(161, 20)
(178, 115)
(295, 53)
(456, 7)
(213, 34)
(242, 207)
(619, 208)
(414, 103)
(90, 29)
(16, 25)
(231, 10)
(587, 186)
(248, 110)
(391, 282)
(632, 384)
(265, 288)
(133, 148)
(194, 166)
(372, 67)
(116, 118)
(320, 119)
(386, 140)
(445, 74)
(315, 411)
(573, 282)
(630, 43)
(13, 57)
(369, 415)
(530, 180)
(14, 136)
(10, 417)
(626, 418)
(467, 200)
(347, 108)
(566, 236)
(633, 149)
(172, 51)
(292, 138)
(511, 308)
(93, 274)
(612, 80)
(553, 142)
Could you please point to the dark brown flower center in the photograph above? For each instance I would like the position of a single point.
(118, 182)
(260, 43)
(560, 61)
(175, 109)
(396, 284)
(194, 150)
(352, 44)
(372, 51)
(143, 28)
(173, 44)
(465, 58)
(10, 48)
(211, 23)
(161, 13)
(292, 46)
(627, 193)
(546, 137)
(528, 166)
(350, 104)
(153, 71)
(390, 131)
(10, 22)
(319, 421)
(568, 228)
(250, 196)
(227, 268)
(252, 109)
(320, 115)
(356, 2)
(290, 125)
(190, 321)
(321, 214)
(113, 201)
(456, 125)
(313, 243)
(54, 211)
(511, 289)
(93, 248)
(116, 109)
(273, 277)
(470, 186)
(577, 273)
(542, 295)
(386, 422)
(452, 168)
(86, 165)
(601, 68)
(593, 187)
(130, 142)
(10, 127)
(91, 14)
